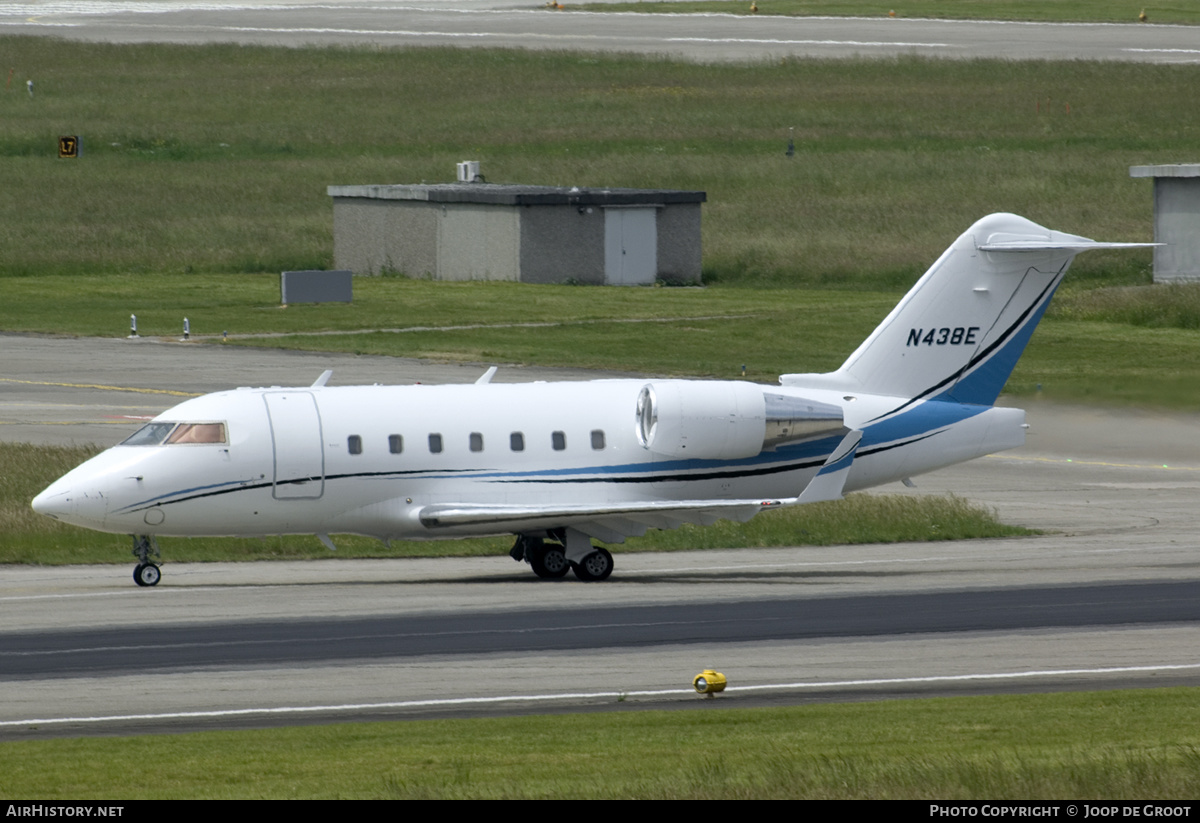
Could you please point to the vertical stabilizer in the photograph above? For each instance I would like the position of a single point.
(958, 333)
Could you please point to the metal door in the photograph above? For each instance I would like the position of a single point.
(630, 246)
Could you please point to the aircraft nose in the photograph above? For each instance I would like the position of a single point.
(53, 502)
(71, 505)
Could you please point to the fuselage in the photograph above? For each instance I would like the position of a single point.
(368, 459)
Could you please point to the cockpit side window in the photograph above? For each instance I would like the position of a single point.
(197, 433)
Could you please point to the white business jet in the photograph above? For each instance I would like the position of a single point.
(561, 464)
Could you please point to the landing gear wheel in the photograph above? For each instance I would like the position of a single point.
(548, 561)
(595, 567)
(145, 547)
(147, 574)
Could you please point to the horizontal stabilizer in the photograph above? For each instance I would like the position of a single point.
(1069, 243)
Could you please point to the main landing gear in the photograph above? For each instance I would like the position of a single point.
(574, 552)
(595, 566)
(147, 573)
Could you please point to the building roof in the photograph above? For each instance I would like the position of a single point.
(1176, 170)
(505, 194)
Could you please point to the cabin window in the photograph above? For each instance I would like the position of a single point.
(598, 440)
(516, 441)
(435, 444)
(476, 442)
(354, 444)
(395, 443)
(558, 440)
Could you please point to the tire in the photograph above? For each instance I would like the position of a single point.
(549, 562)
(147, 574)
(595, 567)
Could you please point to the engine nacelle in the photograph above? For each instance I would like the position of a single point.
(726, 420)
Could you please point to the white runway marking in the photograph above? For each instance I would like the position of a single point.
(592, 37)
(617, 695)
(856, 43)
(1164, 51)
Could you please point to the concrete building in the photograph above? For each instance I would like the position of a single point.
(1176, 220)
(533, 234)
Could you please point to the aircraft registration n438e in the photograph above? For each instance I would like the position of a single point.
(561, 464)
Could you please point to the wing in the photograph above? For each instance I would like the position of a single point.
(612, 523)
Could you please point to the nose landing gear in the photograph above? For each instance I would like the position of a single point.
(146, 573)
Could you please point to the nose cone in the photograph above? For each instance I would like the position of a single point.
(53, 502)
(65, 501)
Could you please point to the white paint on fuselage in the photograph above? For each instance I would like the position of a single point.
(230, 489)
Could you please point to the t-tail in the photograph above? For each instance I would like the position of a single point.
(957, 335)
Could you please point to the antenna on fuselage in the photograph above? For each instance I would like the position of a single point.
(486, 377)
(323, 379)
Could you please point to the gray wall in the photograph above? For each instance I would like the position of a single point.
(376, 236)
(560, 243)
(466, 241)
(477, 242)
(679, 253)
(1177, 223)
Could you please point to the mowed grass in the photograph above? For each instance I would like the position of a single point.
(1116, 745)
(1122, 345)
(894, 158)
(27, 537)
(1066, 11)
(714, 331)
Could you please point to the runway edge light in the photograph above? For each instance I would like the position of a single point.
(709, 682)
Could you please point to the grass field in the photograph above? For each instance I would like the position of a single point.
(1137, 745)
(1046, 11)
(894, 157)
(1125, 345)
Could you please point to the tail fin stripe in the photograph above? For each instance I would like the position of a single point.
(1040, 303)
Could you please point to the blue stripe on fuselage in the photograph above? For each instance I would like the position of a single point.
(925, 418)
(813, 450)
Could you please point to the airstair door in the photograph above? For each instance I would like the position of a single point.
(297, 444)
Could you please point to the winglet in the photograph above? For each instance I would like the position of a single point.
(831, 479)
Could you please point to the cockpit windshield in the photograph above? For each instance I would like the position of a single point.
(160, 433)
